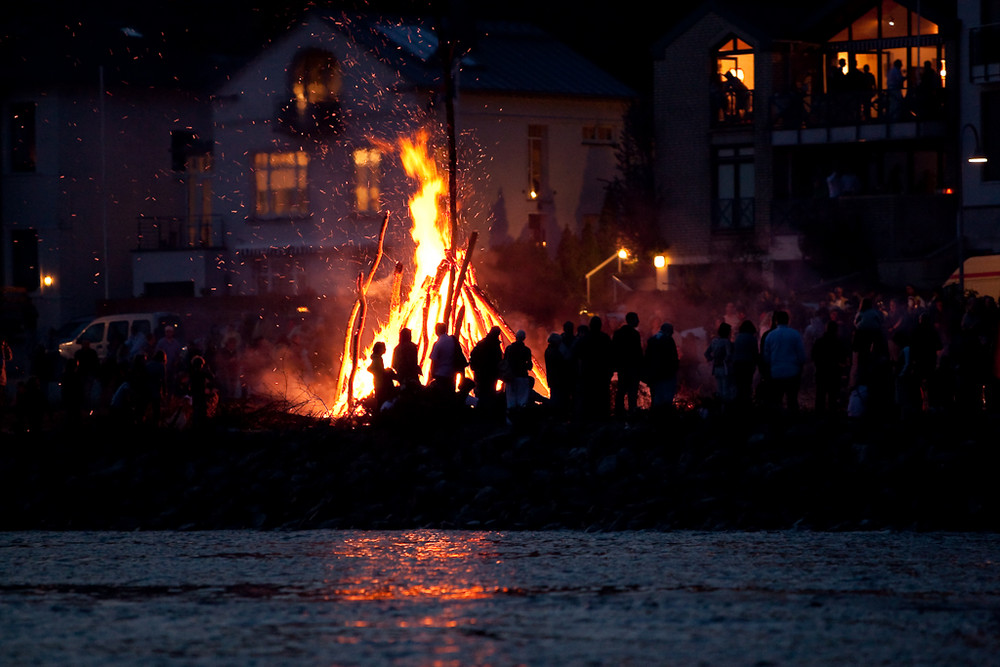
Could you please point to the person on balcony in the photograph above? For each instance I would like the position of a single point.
(894, 86)
(738, 97)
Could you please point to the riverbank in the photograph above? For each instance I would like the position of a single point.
(450, 470)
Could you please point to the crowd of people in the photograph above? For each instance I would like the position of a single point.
(157, 378)
(859, 355)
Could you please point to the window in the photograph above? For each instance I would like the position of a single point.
(536, 161)
(24, 259)
(734, 82)
(598, 134)
(93, 334)
(315, 78)
(734, 189)
(313, 105)
(367, 178)
(22, 137)
(277, 274)
(280, 184)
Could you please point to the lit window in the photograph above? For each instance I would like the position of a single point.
(367, 177)
(732, 90)
(281, 184)
(315, 78)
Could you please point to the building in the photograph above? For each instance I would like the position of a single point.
(794, 149)
(143, 161)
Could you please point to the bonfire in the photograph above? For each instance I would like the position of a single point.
(444, 288)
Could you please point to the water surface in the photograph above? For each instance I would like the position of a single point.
(430, 597)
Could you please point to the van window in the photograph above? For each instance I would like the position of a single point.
(93, 333)
(118, 331)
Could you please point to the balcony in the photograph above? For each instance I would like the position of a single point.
(733, 107)
(850, 116)
(733, 215)
(179, 232)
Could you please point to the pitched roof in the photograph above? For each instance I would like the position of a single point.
(495, 56)
(773, 20)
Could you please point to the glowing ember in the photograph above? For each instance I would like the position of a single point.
(440, 270)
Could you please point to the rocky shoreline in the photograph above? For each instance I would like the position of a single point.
(669, 472)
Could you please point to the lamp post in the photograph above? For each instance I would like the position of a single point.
(620, 255)
(976, 157)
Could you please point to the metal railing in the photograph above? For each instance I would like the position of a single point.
(178, 232)
(792, 110)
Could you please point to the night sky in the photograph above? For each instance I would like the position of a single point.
(617, 36)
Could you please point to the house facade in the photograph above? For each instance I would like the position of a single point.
(270, 173)
(803, 146)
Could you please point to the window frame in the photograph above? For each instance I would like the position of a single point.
(297, 206)
(738, 210)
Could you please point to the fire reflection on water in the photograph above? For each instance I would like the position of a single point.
(416, 565)
(419, 583)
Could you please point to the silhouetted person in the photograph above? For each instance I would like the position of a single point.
(785, 354)
(558, 372)
(746, 358)
(929, 91)
(517, 366)
(720, 354)
(484, 360)
(871, 368)
(593, 351)
(89, 370)
(72, 391)
(894, 87)
(381, 377)
(445, 350)
(738, 96)
(661, 363)
(829, 358)
(405, 361)
(201, 384)
(870, 91)
(626, 347)
(172, 347)
(156, 374)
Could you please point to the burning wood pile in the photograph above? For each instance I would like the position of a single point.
(444, 289)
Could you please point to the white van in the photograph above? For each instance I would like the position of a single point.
(108, 330)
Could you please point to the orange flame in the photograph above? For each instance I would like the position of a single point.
(426, 303)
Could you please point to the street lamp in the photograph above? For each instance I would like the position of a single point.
(620, 255)
(976, 157)
(661, 264)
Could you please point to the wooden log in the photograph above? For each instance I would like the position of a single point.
(362, 287)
